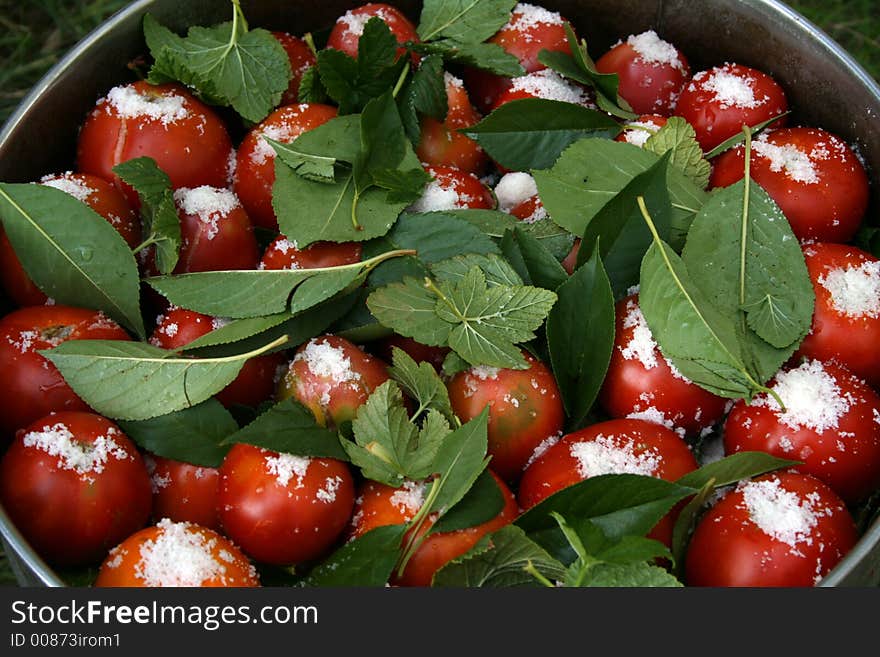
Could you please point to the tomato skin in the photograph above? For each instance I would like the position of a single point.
(728, 548)
(301, 58)
(102, 197)
(648, 87)
(193, 150)
(332, 396)
(569, 263)
(375, 507)
(828, 208)
(280, 522)
(525, 408)
(631, 386)
(417, 351)
(715, 121)
(557, 467)
(184, 492)
(125, 565)
(33, 386)
(72, 517)
(441, 143)
(835, 336)
(255, 159)
(282, 254)
(346, 32)
(845, 456)
(453, 189)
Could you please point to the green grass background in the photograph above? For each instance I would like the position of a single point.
(34, 34)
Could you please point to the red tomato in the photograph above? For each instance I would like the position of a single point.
(517, 194)
(255, 159)
(814, 177)
(332, 377)
(846, 319)
(346, 33)
(283, 509)
(525, 408)
(102, 197)
(781, 529)
(254, 384)
(441, 144)
(546, 84)
(530, 30)
(720, 101)
(177, 554)
(453, 189)
(32, 386)
(284, 254)
(184, 136)
(639, 131)
(301, 59)
(183, 492)
(378, 505)
(417, 351)
(75, 486)
(642, 383)
(652, 72)
(569, 263)
(610, 447)
(831, 424)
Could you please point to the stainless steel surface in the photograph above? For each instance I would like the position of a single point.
(825, 87)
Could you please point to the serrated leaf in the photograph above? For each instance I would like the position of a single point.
(424, 94)
(314, 167)
(543, 268)
(436, 236)
(408, 308)
(484, 56)
(421, 382)
(72, 253)
(136, 381)
(495, 224)
(496, 269)
(500, 559)
(679, 139)
(366, 561)
(460, 460)
(289, 427)
(466, 21)
(639, 575)
(192, 435)
(311, 89)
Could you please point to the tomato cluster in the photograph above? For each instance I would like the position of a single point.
(83, 493)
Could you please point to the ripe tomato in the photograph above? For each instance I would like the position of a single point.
(610, 447)
(166, 122)
(720, 101)
(814, 177)
(525, 408)
(642, 383)
(301, 58)
(831, 424)
(846, 319)
(32, 385)
(254, 384)
(283, 509)
(102, 197)
(441, 143)
(346, 32)
(176, 554)
(416, 350)
(453, 189)
(378, 505)
(781, 529)
(530, 30)
(183, 492)
(639, 131)
(332, 377)
(517, 194)
(255, 158)
(284, 254)
(75, 486)
(652, 72)
(546, 84)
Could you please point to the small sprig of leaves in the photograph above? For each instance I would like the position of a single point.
(227, 64)
(679, 139)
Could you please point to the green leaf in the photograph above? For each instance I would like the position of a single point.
(678, 138)
(734, 468)
(421, 382)
(161, 224)
(72, 253)
(485, 56)
(497, 270)
(493, 223)
(460, 460)
(311, 89)
(290, 427)
(501, 559)
(424, 94)
(319, 168)
(591, 172)
(483, 502)
(580, 337)
(366, 561)
(638, 575)
(530, 133)
(259, 292)
(437, 236)
(409, 308)
(620, 230)
(544, 269)
(466, 21)
(226, 64)
(136, 381)
(192, 435)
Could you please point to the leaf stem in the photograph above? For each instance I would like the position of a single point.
(147, 242)
(237, 16)
(437, 291)
(534, 572)
(416, 537)
(354, 204)
(400, 80)
(745, 219)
